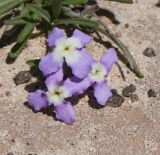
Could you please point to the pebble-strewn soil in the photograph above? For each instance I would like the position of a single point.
(131, 129)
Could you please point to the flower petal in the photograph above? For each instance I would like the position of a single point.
(84, 38)
(109, 58)
(54, 79)
(102, 93)
(37, 100)
(54, 35)
(48, 65)
(82, 66)
(65, 113)
(77, 86)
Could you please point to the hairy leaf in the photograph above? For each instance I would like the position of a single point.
(15, 21)
(68, 2)
(56, 8)
(6, 5)
(17, 48)
(27, 30)
(39, 11)
(123, 1)
(33, 62)
(77, 21)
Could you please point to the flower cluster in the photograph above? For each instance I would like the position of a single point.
(86, 72)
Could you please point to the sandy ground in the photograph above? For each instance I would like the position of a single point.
(132, 129)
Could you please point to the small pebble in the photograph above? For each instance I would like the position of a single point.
(116, 100)
(127, 91)
(13, 140)
(134, 97)
(149, 52)
(22, 77)
(126, 25)
(10, 153)
(8, 93)
(151, 93)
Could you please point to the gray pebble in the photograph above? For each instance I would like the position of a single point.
(10, 153)
(151, 93)
(22, 77)
(149, 52)
(116, 100)
(127, 91)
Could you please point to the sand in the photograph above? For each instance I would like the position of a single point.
(132, 129)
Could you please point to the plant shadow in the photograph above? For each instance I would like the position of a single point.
(108, 14)
(49, 111)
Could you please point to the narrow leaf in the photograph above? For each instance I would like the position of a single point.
(33, 62)
(17, 49)
(123, 1)
(77, 21)
(15, 21)
(74, 2)
(27, 30)
(39, 11)
(6, 5)
(56, 8)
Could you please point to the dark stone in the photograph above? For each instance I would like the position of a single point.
(116, 100)
(27, 143)
(10, 153)
(22, 77)
(151, 93)
(126, 25)
(13, 140)
(127, 91)
(149, 52)
(8, 93)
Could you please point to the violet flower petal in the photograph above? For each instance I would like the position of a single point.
(48, 65)
(102, 93)
(109, 58)
(83, 66)
(37, 100)
(54, 35)
(84, 38)
(65, 113)
(54, 79)
(77, 86)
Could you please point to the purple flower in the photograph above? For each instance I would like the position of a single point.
(56, 96)
(96, 78)
(69, 49)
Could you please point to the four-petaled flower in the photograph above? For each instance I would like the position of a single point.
(96, 77)
(55, 96)
(86, 72)
(71, 49)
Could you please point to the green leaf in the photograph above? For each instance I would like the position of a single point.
(39, 11)
(33, 62)
(74, 2)
(77, 21)
(17, 48)
(123, 1)
(6, 5)
(15, 21)
(56, 8)
(26, 31)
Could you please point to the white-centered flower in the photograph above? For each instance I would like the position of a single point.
(67, 48)
(56, 95)
(98, 73)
